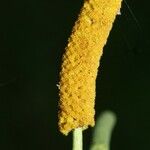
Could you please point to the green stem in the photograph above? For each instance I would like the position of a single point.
(77, 139)
(103, 130)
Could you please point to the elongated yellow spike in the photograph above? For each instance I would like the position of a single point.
(81, 61)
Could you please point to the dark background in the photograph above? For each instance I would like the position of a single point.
(33, 35)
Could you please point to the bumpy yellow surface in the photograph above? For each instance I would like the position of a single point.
(81, 61)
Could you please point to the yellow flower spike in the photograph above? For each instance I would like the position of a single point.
(81, 61)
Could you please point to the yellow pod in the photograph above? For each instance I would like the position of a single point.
(80, 63)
